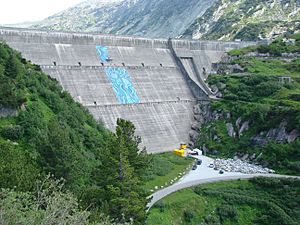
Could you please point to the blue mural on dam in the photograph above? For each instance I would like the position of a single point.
(103, 53)
(122, 85)
(119, 79)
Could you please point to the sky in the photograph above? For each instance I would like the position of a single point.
(17, 11)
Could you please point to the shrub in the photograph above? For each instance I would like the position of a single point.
(188, 216)
(12, 132)
(231, 97)
(161, 206)
(227, 212)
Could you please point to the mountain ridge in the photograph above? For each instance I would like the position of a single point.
(154, 18)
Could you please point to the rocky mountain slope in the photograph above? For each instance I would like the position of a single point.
(246, 19)
(150, 18)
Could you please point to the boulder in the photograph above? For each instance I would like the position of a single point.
(193, 135)
(245, 157)
(221, 86)
(293, 135)
(214, 152)
(230, 130)
(7, 112)
(205, 149)
(236, 68)
(252, 157)
(281, 134)
(196, 126)
(191, 144)
(197, 110)
(278, 134)
(244, 127)
(199, 118)
(258, 140)
(238, 122)
(228, 115)
(219, 95)
(214, 88)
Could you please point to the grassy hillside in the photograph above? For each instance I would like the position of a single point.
(257, 201)
(257, 96)
(164, 168)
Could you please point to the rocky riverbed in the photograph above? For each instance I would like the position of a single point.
(237, 165)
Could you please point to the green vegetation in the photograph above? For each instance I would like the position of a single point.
(164, 168)
(257, 96)
(257, 201)
(50, 203)
(276, 48)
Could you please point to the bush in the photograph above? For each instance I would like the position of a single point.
(12, 132)
(294, 166)
(231, 97)
(295, 97)
(161, 206)
(227, 212)
(188, 216)
(199, 190)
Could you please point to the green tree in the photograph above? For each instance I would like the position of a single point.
(48, 204)
(17, 169)
(13, 67)
(121, 192)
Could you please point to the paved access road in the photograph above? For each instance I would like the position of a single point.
(203, 174)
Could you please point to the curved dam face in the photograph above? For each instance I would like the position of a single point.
(154, 83)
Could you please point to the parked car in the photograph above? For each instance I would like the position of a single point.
(199, 162)
(221, 171)
(216, 168)
(211, 165)
(194, 167)
(193, 153)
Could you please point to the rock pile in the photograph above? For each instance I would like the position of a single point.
(231, 165)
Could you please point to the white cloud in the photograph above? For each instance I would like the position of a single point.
(17, 11)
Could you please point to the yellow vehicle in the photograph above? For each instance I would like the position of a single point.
(181, 150)
(183, 146)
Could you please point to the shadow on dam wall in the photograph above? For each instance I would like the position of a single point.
(138, 79)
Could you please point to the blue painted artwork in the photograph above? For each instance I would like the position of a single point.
(122, 85)
(102, 52)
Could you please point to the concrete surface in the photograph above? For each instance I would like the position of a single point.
(163, 115)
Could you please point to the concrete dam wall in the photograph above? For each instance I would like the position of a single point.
(154, 83)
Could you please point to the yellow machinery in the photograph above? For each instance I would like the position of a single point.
(181, 150)
(182, 146)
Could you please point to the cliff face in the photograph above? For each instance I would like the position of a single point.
(149, 18)
(246, 20)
